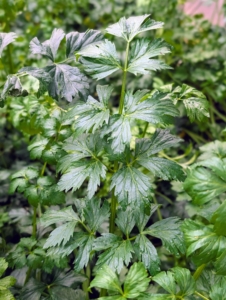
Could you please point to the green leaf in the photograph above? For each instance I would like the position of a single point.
(195, 102)
(77, 174)
(6, 295)
(168, 230)
(146, 252)
(12, 87)
(142, 51)
(218, 290)
(206, 180)
(105, 278)
(6, 39)
(49, 47)
(100, 60)
(65, 215)
(95, 214)
(85, 248)
(157, 108)
(125, 220)
(66, 82)
(32, 290)
(59, 293)
(105, 241)
(178, 282)
(76, 41)
(130, 184)
(136, 281)
(204, 244)
(116, 255)
(93, 114)
(215, 148)
(3, 265)
(129, 28)
(161, 167)
(219, 219)
(120, 133)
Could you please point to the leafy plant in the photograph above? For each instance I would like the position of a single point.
(97, 159)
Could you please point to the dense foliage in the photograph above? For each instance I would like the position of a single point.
(112, 147)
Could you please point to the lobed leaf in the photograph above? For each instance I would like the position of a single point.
(6, 39)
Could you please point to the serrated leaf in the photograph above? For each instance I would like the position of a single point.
(218, 290)
(136, 281)
(195, 102)
(21, 179)
(142, 51)
(215, 148)
(105, 278)
(59, 293)
(146, 252)
(49, 47)
(32, 290)
(93, 114)
(100, 60)
(206, 180)
(95, 214)
(129, 28)
(77, 174)
(105, 241)
(76, 41)
(117, 255)
(53, 216)
(12, 87)
(219, 219)
(6, 39)
(163, 168)
(142, 214)
(178, 282)
(204, 244)
(6, 295)
(130, 184)
(168, 230)
(157, 108)
(66, 82)
(125, 221)
(3, 265)
(85, 248)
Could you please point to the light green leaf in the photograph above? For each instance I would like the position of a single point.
(106, 279)
(53, 216)
(77, 174)
(125, 220)
(100, 60)
(136, 281)
(85, 247)
(131, 185)
(95, 214)
(6, 39)
(204, 244)
(3, 265)
(215, 148)
(93, 114)
(168, 230)
(49, 47)
(117, 255)
(6, 295)
(218, 290)
(76, 41)
(129, 28)
(206, 180)
(142, 51)
(147, 253)
(219, 219)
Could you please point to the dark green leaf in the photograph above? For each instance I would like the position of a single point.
(125, 221)
(32, 290)
(85, 247)
(95, 214)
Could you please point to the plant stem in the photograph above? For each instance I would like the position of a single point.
(34, 225)
(201, 296)
(103, 292)
(198, 271)
(121, 102)
(113, 212)
(28, 274)
(85, 284)
(43, 169)
(158, 210)
(164, 197)
(145, 129)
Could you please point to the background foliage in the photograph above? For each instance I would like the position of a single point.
(35, 134)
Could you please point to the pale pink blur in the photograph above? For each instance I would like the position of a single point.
(212, 12)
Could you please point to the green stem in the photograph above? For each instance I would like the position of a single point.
(103, 292)
(121, 102)
(85, 285)
(43, 169)
(222, 117)
(145, 129)
(28, 274)
(158, 210)
(164, 197)
(34, 223)
(201, 296)
(113, 212)
(198, 271)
